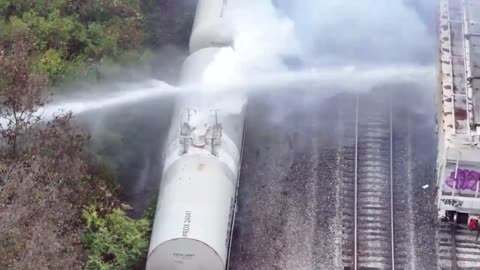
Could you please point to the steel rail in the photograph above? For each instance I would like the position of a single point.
(453, 254)
(392, 226)
(355, 214)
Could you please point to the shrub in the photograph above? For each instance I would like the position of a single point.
(114, 241)
(50, 63)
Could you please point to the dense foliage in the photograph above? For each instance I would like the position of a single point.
(74, 38)
(114, 241)
(69, 34)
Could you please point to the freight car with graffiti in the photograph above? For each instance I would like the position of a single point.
(458, 111)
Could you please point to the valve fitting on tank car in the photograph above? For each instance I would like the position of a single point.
(200, 131)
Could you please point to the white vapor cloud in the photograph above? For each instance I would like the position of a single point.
(369, 36)
(371, 31)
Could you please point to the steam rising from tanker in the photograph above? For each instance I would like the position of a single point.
(340, 44)
(357, 32)
(331, 45)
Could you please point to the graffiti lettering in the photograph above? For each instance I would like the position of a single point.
(452, 202)
(466, 179)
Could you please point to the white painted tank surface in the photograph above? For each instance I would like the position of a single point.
(192, 223)
(210, 29)
(197, 199)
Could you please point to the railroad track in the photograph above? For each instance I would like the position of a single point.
(458, 247)
(368, 201)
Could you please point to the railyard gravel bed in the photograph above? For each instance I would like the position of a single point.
(287, 196)
(421, 173)
(289, 199)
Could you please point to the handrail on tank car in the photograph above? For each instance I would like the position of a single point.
(227, 266)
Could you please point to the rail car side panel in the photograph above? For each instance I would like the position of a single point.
(458, 115)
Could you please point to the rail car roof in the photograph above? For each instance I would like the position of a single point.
(462, 54)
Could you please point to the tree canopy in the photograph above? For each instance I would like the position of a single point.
(72, 37)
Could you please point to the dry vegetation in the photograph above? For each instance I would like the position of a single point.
(41, 198)
(58, 207)
(41, 169)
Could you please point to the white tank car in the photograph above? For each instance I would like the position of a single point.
(458, 112)
(197, 199)
(210, 29)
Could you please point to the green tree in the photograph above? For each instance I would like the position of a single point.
(114, 241)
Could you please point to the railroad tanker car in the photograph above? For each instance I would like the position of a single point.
(197, 198)
(458, 112)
